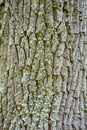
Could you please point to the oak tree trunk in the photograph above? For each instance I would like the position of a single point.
(43, 47)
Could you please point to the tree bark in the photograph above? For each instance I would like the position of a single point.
(43, 47)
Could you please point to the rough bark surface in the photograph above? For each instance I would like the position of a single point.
(43, 45)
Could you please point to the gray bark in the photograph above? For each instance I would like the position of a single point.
(43, 47)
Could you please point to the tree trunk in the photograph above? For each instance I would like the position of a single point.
(43, 44)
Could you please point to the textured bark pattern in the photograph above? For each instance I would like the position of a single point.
(42, 70)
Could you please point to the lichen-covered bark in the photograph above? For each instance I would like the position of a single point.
(43, 64)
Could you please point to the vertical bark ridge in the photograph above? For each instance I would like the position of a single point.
(85, 51)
